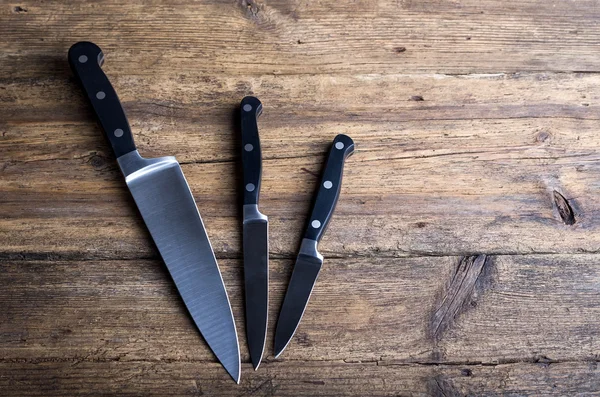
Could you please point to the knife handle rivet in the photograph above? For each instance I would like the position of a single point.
(248, 147)
(247, 108)
(327, 184)
(250, 187)
(339, 145)
(316, 224)
(118, 132)
(82, 59)
(100, 95)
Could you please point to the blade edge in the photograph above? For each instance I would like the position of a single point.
(202, 251)
(311, 265)
(256, 285)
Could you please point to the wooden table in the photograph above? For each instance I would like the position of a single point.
(463, 258)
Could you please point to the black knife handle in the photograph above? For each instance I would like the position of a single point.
(329, 189)
(86, 61)
(251, 109)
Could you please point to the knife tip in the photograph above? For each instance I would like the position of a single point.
(256, 361)
(280, 346)
(235, 373)
(279, 350)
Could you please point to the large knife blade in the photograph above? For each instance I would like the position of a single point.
(309, 260)
(167, 206)
(256, 233)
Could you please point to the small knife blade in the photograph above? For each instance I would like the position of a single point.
(169, 210)
(309, 260)
(255, 233)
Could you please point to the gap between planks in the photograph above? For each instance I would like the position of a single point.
(539, 360)
(53, 257)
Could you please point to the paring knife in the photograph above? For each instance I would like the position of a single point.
(309, 260)
(165, 201)
(256, 233)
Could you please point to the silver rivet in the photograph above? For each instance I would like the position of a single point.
(248, 147)
(118, 132)
(327, 184)
(100, 95)
(250, 187)
(247, 108)
(316, 224)
(82, 59)
(339, 145)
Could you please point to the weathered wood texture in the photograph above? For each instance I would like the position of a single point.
(294, 378)
(472, 168)
(463, 257)
(362, 310)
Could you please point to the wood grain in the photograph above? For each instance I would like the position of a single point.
(517, 309)
(480, 177)
(299, 37)
(298, 378)
(463, 257)
(365, 332)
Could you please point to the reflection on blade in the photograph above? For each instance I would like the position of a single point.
(256, 275)
(300, 287)
(170, 213)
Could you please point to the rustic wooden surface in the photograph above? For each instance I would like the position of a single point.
(463, 258)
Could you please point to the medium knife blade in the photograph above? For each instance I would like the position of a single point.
(309, 260)
(255, 233)
(169, 210)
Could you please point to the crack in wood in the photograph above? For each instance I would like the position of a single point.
(565, 211)
(101, 358)
(458, 295)
(441, 386)
(310, 172)
(439, 390)
(111, 257)
(266, 388)
(537, 360)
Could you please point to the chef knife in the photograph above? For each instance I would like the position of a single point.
(309, 260)
(255, 233)
(167, 206)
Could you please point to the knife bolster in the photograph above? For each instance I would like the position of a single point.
(309, 247)
(251, 213)
(132, 162)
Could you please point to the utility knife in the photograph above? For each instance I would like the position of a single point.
(167, 206)
(309, 261)
(255, 233)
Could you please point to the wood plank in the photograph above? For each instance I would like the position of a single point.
(296, 379)
(293, 37)
(471, 169)
(462, 258)
(520, 308)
